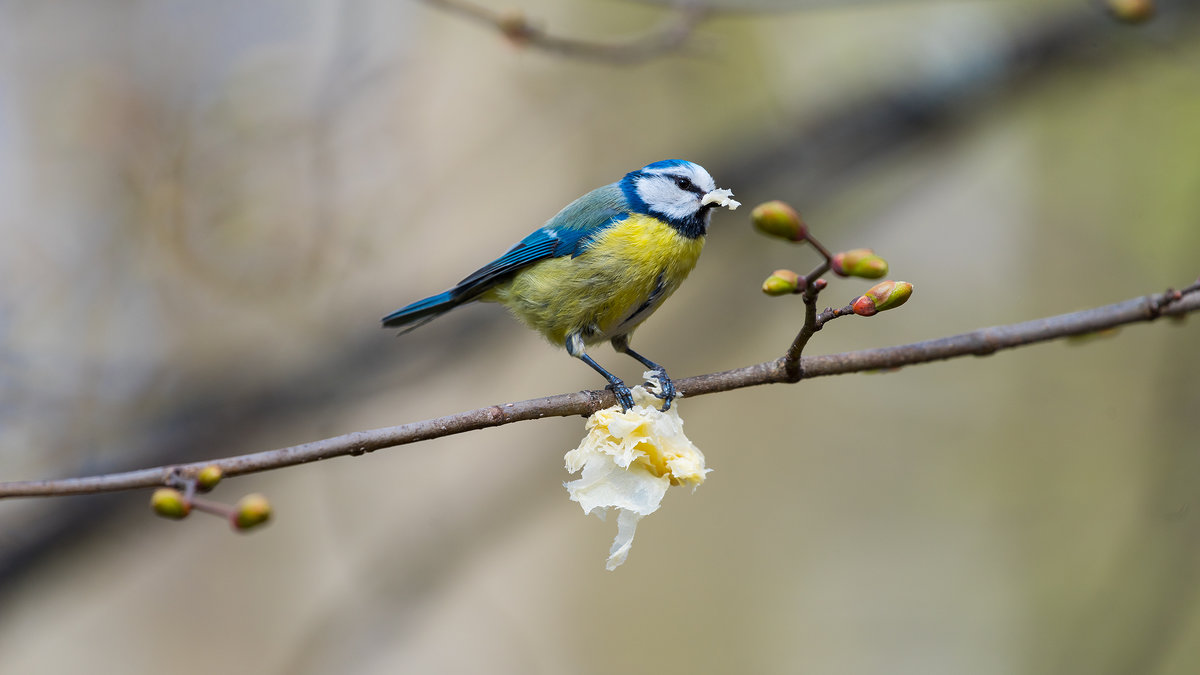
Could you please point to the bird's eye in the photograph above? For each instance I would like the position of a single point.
(683, 183)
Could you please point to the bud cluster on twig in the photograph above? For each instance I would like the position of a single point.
(178, 499)
(778, 219)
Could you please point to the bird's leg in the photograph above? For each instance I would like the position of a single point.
(575, 348)
(621, 344)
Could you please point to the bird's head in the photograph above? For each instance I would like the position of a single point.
(677, 191)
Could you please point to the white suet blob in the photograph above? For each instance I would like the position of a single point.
(628, 460)
(721, 197)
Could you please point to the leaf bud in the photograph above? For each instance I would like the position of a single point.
(783, 282)
(208, 477)
(860, 262)
(169, 503)
(1130, 11)
(777, 219)
(881, 297)
(251, 511)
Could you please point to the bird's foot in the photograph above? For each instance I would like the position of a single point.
(624, 396)
(659, 384)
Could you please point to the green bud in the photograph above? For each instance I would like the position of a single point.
(777, 219)
(208, 477)
(860, 262)
(169, 503)
(882, 297)
(1130, 11)
(251, 511)
(782, 282)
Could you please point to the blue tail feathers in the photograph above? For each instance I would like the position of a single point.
(422, 311)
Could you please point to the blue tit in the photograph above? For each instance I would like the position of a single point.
(598, 268)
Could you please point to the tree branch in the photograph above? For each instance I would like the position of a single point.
(667, 37)
(979, 343)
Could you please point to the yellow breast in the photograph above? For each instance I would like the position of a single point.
(604, 291)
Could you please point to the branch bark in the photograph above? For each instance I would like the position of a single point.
(977, 343)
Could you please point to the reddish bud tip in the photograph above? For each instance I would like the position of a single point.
(777, 219)
(169, 503)
(251, 511)
(783, 282)
(860, 262)
(208, 477)
(882, 297)
(820, 284)
(864, 306)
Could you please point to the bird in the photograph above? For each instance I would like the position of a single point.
(599, 268)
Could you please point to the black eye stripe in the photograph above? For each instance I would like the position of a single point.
(684, 183)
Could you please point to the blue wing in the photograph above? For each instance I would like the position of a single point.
(567, 233)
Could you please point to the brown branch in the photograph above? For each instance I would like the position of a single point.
(980, 342)
(667, 37)
(813, 285)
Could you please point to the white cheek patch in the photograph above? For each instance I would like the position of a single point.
(661, 194)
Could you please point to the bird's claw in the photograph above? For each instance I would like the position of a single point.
(661, 386)
(623, 395)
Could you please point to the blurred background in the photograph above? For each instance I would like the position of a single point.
(206, 207)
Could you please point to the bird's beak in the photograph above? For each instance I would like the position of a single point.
(720, 197)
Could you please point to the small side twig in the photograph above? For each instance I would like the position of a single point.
(812, 322)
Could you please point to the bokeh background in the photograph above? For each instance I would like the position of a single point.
(206, 207)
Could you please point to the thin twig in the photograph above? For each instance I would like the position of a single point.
(980, 342)
(829, 314)
(667, 37)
